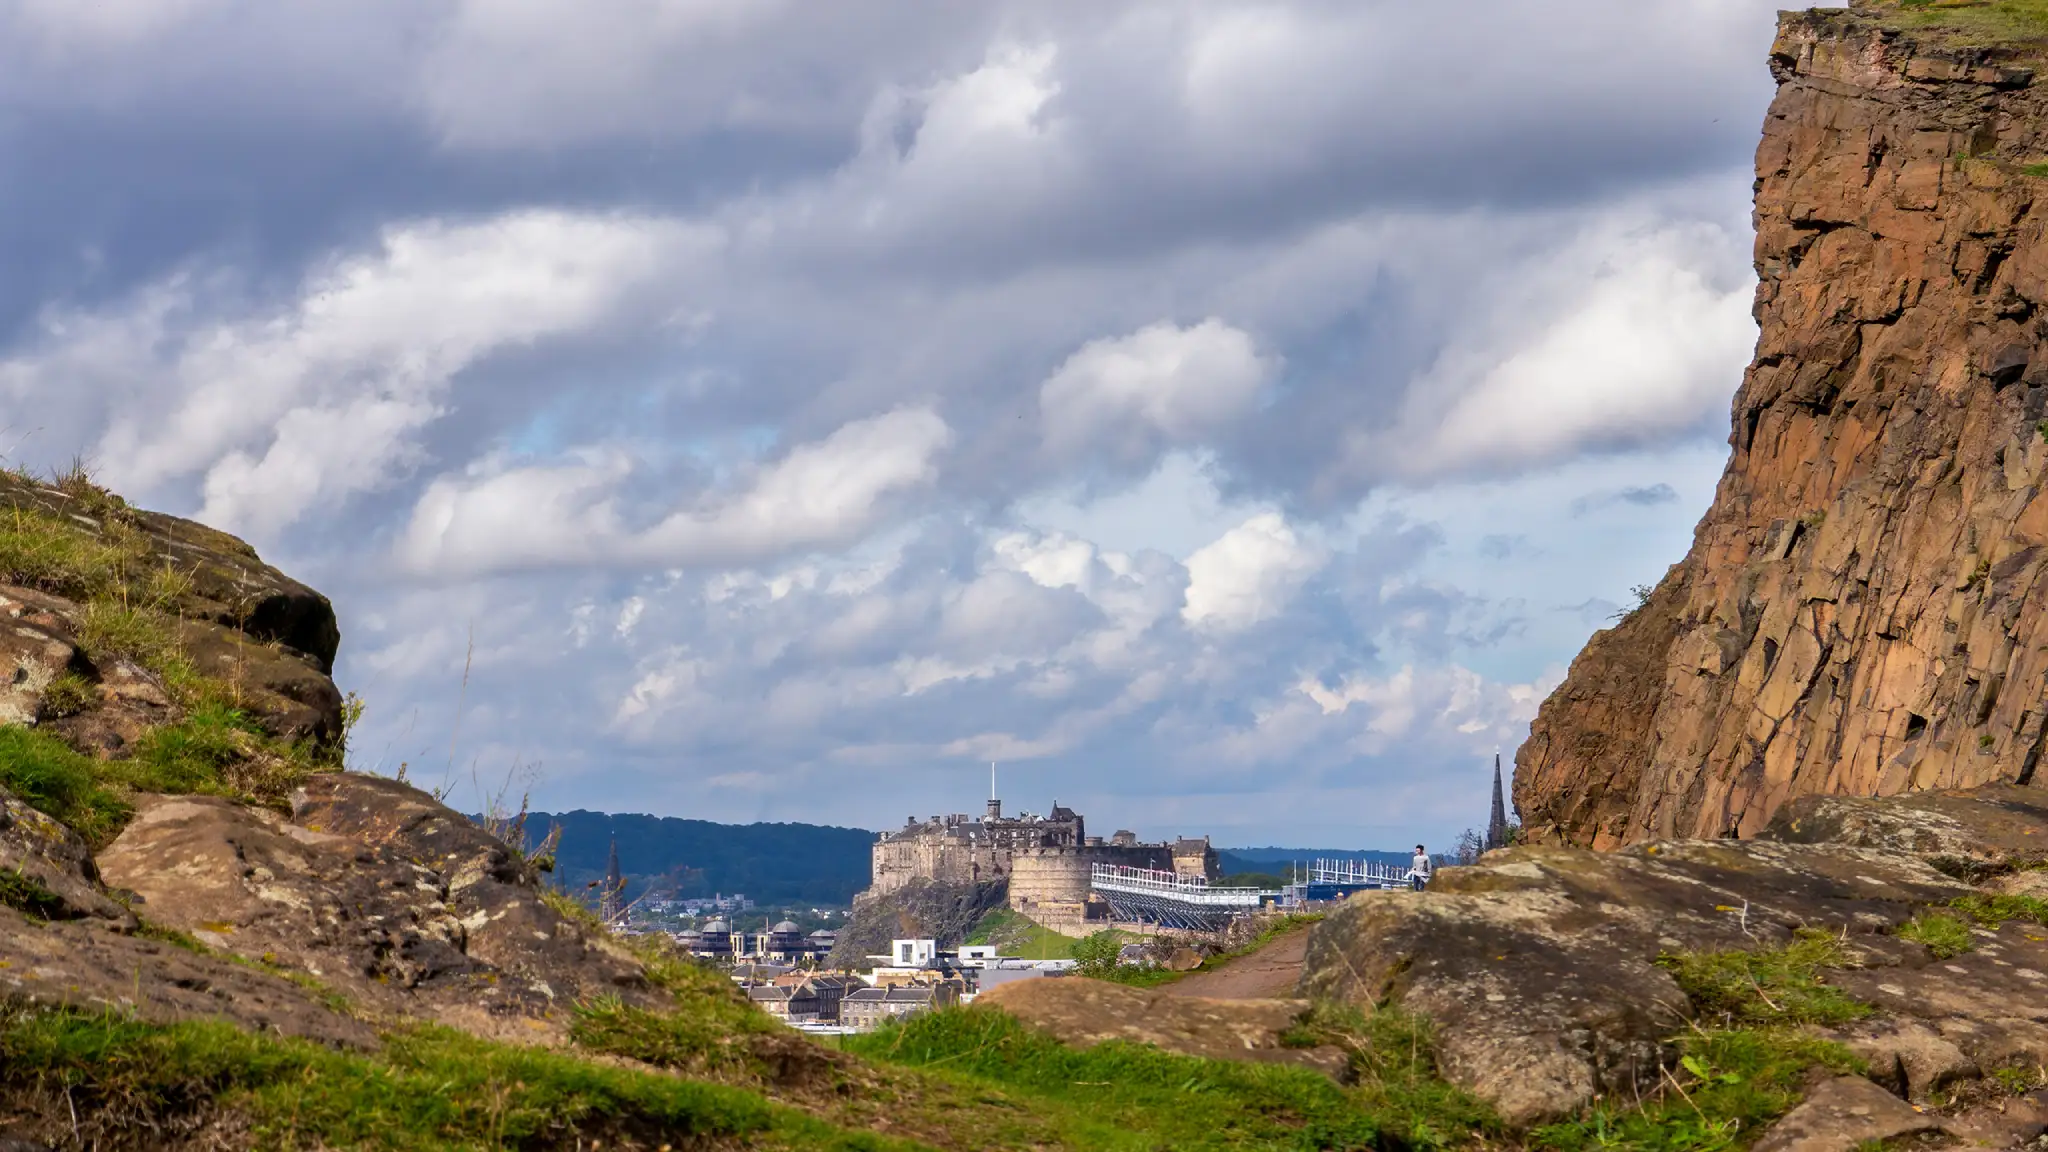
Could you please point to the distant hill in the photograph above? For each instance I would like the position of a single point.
(1273, 861)
(791, 864)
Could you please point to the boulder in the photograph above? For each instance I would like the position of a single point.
(230, 585)
(48, 870)
(1538, 964)
(1086, 1012)
(1911, 1058)
(379, 890)
(1841, 1114)
(2006, 1122)
(33, 652)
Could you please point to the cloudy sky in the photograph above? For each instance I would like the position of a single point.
(1231, 417)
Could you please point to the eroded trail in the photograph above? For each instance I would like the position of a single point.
(1269, 973)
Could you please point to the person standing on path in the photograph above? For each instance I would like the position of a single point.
(1418, 872)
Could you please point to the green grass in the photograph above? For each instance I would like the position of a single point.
(427, 1088)
(1393, 1056)
(51, 554)
(1944, 934)
(141, 633)
(1120, 1096)
(691, 1040)
(1154, 977)
(217, 750)
(1732, 1084)
(1769, 986)
(2010, 23)
(1018, 935)
(66, 695)
(26, 895)
(61, 783)
(1948, 931)
(214, 750)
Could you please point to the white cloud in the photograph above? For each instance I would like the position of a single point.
(824, 494)
(846, 343)
(1248, 574)
(282, 411)
(1159, 384)
(1650, 346)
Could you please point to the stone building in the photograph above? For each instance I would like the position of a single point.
(1196, 859)
(869, 1008)
(1046, 861)
(960, 850)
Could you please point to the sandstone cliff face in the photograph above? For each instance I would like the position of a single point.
(1861, 611)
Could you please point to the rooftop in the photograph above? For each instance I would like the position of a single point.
(894, 994)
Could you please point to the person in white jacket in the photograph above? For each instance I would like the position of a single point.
(1418, 872)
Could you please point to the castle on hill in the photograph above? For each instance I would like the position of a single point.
(1046, 860)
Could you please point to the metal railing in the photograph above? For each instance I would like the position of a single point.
(1174, 886)
(1359, 873)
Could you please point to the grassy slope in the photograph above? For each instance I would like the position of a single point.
(714, 1070)
(1154, 977)
(1019, 936)
(2021, 24)
(127, 613)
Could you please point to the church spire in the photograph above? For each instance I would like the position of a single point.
(1497, 824)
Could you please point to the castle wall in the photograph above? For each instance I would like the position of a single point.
(1194, 858)
(1050, 886)
(950, 860)
(1047, 861)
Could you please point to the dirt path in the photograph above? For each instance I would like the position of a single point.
(1270, 972)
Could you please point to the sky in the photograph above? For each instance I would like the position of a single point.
(1229, 418)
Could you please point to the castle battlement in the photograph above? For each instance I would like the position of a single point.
(1046, 860)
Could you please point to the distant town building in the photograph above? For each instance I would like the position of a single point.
(810, 1000)
(870, 1008)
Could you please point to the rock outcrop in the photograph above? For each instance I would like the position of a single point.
(1540, 964)
(381, 893)
(278, 892)
(233, 618)
(934, 909)
(1862, 610)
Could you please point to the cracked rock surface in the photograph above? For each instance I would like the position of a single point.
(378, 891)
(1864, 609)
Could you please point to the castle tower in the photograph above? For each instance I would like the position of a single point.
(995, 806)
(608, 908)
(1497, 824)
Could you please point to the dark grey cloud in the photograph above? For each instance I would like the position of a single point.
(1648, 496)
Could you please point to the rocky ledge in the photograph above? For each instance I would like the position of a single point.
(371, 903)
(1559, 976)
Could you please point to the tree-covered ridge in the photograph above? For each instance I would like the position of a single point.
(791, 864)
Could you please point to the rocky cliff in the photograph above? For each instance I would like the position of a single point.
(1861, 611)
